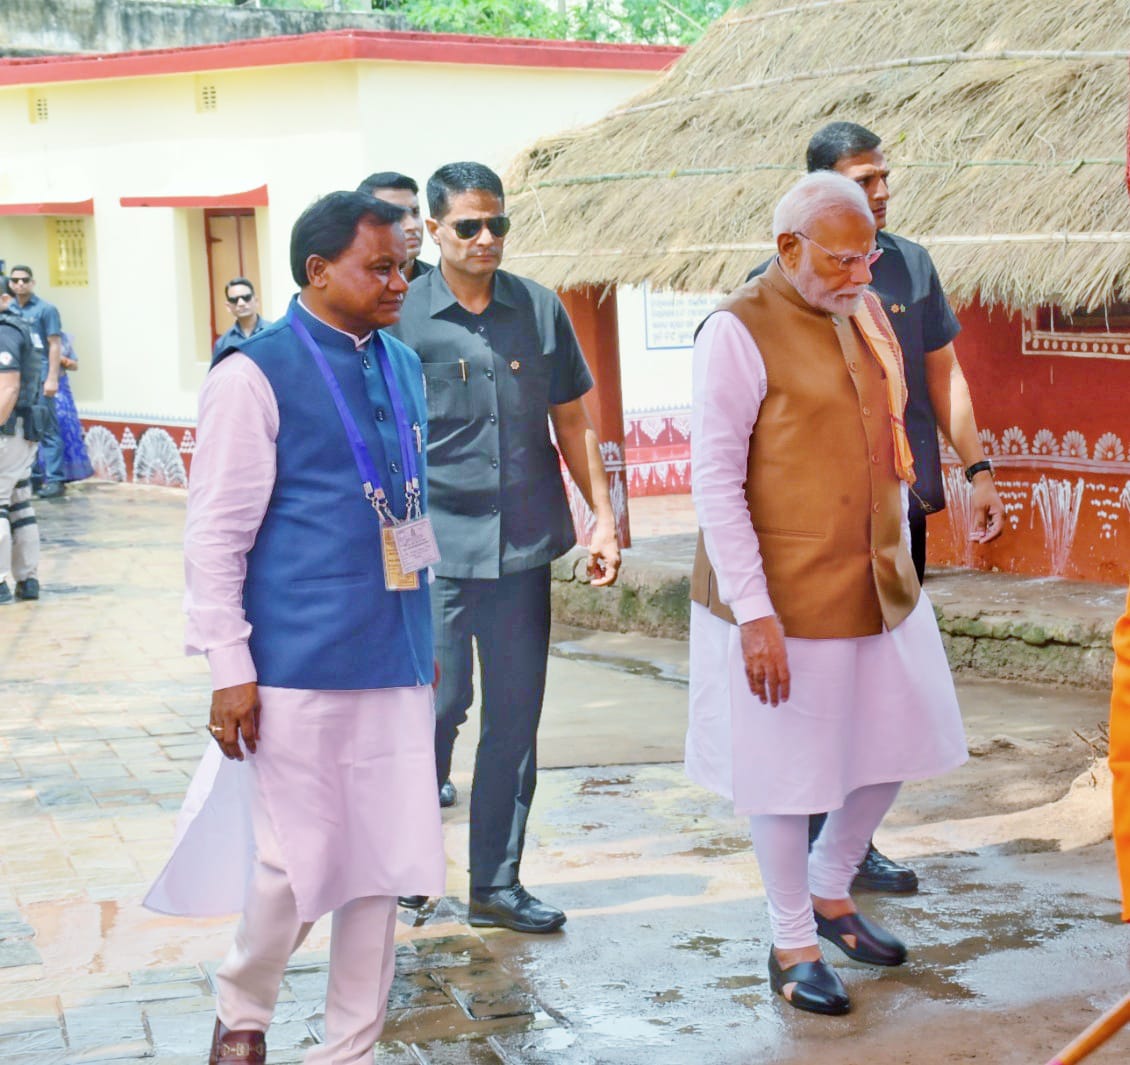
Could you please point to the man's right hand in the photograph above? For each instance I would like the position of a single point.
(766, 660)
(51, 386)
(235, 714)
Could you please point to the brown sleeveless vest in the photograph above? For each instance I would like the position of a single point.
(821, 485)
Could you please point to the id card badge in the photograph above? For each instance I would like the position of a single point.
(396, 579)
(416, 544)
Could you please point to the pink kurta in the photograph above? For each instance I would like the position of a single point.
(861, 711)
(347, 777)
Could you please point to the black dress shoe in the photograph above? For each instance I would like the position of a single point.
(878, 873)
(5, 592)
(412, 902)
(512, 907)
(874, 945)
(818, 988)
(447, 794)
(52, 490)
(27, 589)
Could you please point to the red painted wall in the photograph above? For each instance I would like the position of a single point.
(1057, 419)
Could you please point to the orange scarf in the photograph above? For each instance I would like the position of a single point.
(884, 345)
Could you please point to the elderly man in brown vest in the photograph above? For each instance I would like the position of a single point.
(818, 679)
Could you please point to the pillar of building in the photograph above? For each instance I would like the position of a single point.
(593, 312)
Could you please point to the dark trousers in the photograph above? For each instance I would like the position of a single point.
(508, 619)
(49, 466)
(917, 518)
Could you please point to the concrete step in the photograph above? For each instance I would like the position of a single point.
(1040, 629)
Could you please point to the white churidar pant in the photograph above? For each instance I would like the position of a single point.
(792, 876)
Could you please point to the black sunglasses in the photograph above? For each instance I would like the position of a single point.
(20, 280)
(466, 228)
(233, 300)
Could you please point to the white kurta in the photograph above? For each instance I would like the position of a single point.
(861, 711)
(347, 777)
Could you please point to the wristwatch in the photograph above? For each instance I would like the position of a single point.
(976, 468)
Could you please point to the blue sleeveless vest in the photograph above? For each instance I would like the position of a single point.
(314, 594)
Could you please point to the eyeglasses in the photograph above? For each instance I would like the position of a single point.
(233, 300)
(20, 280)
(845, 262)
(466, 228)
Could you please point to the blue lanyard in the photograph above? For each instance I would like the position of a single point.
(366, 468)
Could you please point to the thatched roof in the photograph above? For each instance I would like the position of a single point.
(1004, 120)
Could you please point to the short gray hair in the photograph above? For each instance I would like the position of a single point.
(814, 194)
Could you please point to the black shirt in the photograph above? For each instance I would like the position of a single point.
(495, 492)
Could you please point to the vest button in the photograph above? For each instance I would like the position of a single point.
(380, 414)
(875, 508)
(875, 459)
(875, 554)
(867, 412)
(854, 367)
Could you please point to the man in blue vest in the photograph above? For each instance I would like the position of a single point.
(307, 544)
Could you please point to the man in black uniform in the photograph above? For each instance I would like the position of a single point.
(905, 278)
(400, 189)
(20, 420)
(501, 362)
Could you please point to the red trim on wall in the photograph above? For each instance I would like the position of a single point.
(72, 207)
(340, 45)
(251, 198)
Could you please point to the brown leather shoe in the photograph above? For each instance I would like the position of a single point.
(246, 1046)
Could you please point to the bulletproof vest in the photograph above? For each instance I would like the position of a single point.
(30, 379)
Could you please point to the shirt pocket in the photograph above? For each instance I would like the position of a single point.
(449, 395)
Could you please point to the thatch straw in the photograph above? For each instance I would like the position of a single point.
(1004, 121)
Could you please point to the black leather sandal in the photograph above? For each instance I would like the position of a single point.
(874, 945)
(818, 989)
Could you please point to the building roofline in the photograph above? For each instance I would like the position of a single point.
(337, 45)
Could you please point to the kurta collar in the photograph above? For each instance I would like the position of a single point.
(322, 331)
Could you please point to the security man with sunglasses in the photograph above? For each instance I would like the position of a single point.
(501, 362)
(244, 305)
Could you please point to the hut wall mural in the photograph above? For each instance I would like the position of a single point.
(1005, 127)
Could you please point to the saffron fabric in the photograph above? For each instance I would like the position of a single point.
(1120, 754)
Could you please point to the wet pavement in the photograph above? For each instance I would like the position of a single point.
(1015, 941)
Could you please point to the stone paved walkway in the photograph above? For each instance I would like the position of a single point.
(1016, 945)
(100, 729)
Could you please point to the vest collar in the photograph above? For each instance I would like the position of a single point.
(325, 333)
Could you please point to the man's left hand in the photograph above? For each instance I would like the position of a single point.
(51, 386)
(604, 558)
(988, 510)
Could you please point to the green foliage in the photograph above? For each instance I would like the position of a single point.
(639, 21)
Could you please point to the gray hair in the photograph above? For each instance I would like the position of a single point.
(814, 194)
